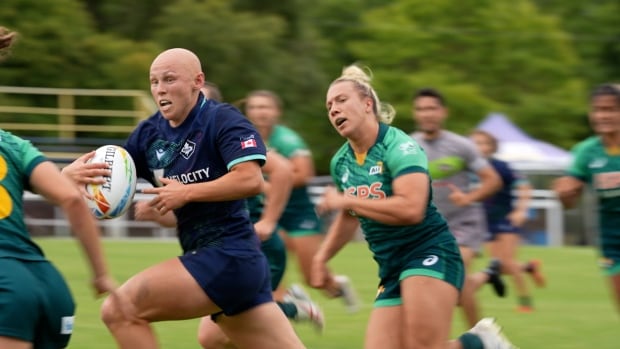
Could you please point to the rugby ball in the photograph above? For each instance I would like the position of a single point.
(112, 198)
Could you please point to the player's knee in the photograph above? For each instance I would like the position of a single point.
(113, 313)
(510, 266)
(109, 312)
(422, 340)
(208, 341)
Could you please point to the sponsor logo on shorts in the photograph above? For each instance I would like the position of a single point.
(66, 324)
(605, 263)
(430, 260)
(380, 290)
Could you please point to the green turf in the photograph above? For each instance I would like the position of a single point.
(573, 312)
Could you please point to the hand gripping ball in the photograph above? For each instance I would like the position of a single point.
(112, 198)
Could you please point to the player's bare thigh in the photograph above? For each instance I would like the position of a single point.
(13, 343)
(384, 329)
(614, 282)
(261, 327)
(425, 316)
(165, 291)
(428, 305)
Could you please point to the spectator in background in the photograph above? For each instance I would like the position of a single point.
(37, 309)
(299, 221)
(222, 271)
(453, 160)
(596, 162)
(382, 182)
(211, 91)
(506, 214)
(265, 215)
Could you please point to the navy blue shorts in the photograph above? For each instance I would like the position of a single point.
(502, 226)
(235, 280)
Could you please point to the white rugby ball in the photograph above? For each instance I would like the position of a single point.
(112, 198)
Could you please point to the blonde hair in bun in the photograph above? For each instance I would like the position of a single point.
(361, 78)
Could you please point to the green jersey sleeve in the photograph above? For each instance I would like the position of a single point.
(581, 157)
(288, 142)
(404, 155)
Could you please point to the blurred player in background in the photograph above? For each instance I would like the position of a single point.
(506, 214)
(382, 182)
(299, 220)
(596, 162)
(453, 163)
(265, 210)
(37, 309)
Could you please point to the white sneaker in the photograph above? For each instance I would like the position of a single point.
(347, 293)
(309, 311)
(490, 333)
(296, 291)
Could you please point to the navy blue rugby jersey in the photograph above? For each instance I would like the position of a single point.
(213, 138)
(499, 205)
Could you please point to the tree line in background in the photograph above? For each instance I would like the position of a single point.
(534, 60)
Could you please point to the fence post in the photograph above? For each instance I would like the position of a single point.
(67, 118)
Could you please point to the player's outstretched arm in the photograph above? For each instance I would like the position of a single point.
(568, 189)
(277, 192)
(47, 181)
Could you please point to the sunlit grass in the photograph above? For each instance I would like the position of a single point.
(573, 312)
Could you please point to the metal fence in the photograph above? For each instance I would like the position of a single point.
(43, 219)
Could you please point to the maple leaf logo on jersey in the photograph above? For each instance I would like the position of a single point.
(249, 142)
(188, 149)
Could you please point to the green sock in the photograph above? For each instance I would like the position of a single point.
(289, 309)
(525, 301)
(471, 341)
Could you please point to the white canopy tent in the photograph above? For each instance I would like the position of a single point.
(531, 155)
(520, 149)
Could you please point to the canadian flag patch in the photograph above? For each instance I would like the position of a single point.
(248, 143)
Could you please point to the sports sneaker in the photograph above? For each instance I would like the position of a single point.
(347, 293)
(296, 291)
(534, 267)
(494, 270)
(490, 333)
(309, 311)
(524, 309)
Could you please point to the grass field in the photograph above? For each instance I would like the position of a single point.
(574, 311)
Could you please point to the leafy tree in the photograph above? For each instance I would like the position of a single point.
(129, 19)
(242, 51)
(485, 56)
(595, 35)
(51, 53)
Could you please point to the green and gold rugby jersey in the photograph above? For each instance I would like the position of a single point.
(394, 154)
(593, 164)
(290, 144)
(18, 158)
